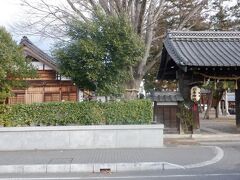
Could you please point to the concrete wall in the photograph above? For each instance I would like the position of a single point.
(81, 137)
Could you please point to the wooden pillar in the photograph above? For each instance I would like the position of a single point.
(195, 111)
(43, 92)
(183, 84)
(184, 81)
(25, 97)
(77, 94)
(60, 91)
(237, 104)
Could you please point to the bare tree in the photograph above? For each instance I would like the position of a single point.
(51, 20)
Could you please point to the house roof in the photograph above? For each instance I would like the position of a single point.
(204, 48)
(166, 96)
(31, 50)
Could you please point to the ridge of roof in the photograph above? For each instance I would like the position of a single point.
(167, 96)
(204, 34)
(26, 42)
(204, 48)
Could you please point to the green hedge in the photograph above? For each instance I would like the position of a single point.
(83, 113)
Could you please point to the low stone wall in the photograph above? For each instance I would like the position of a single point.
(81, 137)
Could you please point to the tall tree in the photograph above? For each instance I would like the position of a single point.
(100, 53)
(221, 20)
(235, 15)
(224, 17)
(13, 66)
(174, 12)
(144, 16)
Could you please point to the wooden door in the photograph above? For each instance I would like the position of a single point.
(166, 114)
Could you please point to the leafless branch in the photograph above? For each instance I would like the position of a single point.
(144, 16)
(77, 11)
(191, 14)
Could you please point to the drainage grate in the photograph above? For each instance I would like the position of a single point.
(105, 170)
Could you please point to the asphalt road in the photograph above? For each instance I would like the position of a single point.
(226, 169)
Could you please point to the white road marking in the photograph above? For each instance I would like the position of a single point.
(219, 155)
(124, 177)
(174, 166)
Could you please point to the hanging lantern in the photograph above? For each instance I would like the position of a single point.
(236, 84)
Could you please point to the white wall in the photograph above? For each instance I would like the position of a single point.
(37, 65)
(81, 137)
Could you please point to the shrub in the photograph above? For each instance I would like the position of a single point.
(185, 115)
(128, 112)
(83, 113)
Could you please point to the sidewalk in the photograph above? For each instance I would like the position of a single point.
(221, 125)
(114, 160)
(222, 129)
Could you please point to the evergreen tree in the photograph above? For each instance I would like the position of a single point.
(101, 53)
(235, 16)
(13, 66)
(143, 15)
(220, 21)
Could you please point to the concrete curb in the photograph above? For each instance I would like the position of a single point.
(204, 136)
(113, 167)
(88, 168)
(217, 136)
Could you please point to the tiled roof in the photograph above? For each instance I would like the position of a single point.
(204, 48)
(167, 96)
(32, 50)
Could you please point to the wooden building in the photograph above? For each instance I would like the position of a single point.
(49, 85)
(192, 57)
(166, 106)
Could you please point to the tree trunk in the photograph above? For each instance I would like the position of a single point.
(132, 89)
(220, 108)
(226, 104)
(220, 94)
(217, 111)
(209, 105)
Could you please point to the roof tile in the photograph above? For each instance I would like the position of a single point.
(167, 96)
(204, 48)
